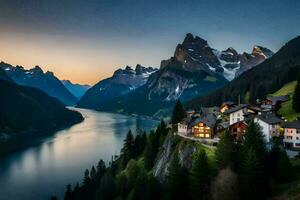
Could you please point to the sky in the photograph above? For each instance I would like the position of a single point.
(85, 41)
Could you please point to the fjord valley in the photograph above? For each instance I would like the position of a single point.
(143, 100)
(232, 120)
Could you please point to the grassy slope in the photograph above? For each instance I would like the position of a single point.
(286, 109)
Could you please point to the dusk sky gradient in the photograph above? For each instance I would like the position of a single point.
(86, 40)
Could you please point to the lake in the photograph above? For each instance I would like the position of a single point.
(45, 169)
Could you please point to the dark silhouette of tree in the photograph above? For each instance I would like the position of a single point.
(127, 150)
(151, 149)
(107, 188)
(68, 193)
(100, 171)
(122, 184)
(140, 186)
(86, 179)
(251, 176)
(53, 198)
(224, 151)
(178, 113)
(278, 164)
(253, 170)
(254, 139)
(200, 176)
(93, 173)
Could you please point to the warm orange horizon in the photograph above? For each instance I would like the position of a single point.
(75, 59)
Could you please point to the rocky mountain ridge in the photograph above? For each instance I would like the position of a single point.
(37, 78)
(121, 83)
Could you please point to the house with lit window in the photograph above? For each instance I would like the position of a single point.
(270, 125)
(291, 134)
(203, 127)
(238, 116)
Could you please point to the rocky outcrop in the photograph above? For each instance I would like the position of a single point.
(186, 149)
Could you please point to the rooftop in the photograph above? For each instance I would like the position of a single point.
(277, 99)
(269, 118)
(209, 120)
(236, 108)
(294, 124)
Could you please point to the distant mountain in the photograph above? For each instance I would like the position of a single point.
(248, 61)
(4, 77)
(76, 89)
(263, 79)
(36, 78)
(26, 109)
(122, 82)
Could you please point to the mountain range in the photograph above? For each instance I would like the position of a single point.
(265, 78)
(121, 83)
(37, 78)
(194, 70)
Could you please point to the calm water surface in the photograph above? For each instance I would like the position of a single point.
(43, 170)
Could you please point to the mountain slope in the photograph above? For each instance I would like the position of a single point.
(36, 78)
(76, 89)
(286, 109)
(122, 82)
(263, 79)
(26, 109)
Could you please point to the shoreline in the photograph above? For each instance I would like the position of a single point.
(20, 141)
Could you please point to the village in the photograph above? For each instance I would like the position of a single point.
(206, 124)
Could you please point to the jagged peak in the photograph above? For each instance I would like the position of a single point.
(190, 40)
(37, 69)
(49, 73)
(262, 50)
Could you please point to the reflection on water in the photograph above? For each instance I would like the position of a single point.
(43, 170)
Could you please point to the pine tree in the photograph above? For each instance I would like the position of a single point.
(178, 113)
(86, 179)
(93, 173)
(296, 97)
(107, 188)
(140, 186)
(151, 149)
(254, 139)
(253, 171)
(68, 193)
(251, 176)
(143, 141)
(283, 168)
(200, 176)
(122, 184)
(127, 150)
(224, 151)
(100, 171)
